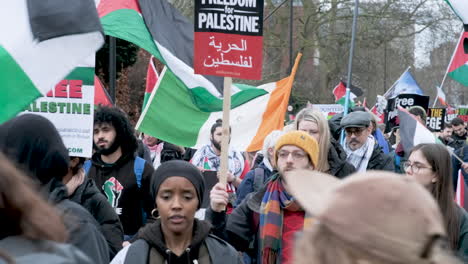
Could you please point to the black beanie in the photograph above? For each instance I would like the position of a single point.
(180, 168)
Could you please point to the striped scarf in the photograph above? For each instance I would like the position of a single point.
(271, 220)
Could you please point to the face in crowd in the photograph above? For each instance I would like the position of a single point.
(356, 137)
(151, 141)
(459, 130)
(418, 167)
(311, 128)
(291, 157)
(177, 203)
(104, 137)
(216, 137)
(446, 133)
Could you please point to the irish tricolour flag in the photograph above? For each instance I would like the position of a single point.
(40, 43)
(160, 29)
(172, 116)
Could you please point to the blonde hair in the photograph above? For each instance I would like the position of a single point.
(308, 114)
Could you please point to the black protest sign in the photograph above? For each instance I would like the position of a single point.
(435, 119)
(405, 101)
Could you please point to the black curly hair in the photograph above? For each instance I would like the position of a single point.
(125, 134)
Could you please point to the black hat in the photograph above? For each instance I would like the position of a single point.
(178, 168)
(356, 119)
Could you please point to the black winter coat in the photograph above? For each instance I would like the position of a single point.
(84, 231)
(339, 167)
(380, 161)
(97, 205)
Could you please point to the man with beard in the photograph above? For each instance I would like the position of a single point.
(459, 129)
(121, 176)
(270, 217)
(362, 150)
(207, 158)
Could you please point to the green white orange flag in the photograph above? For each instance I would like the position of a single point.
(172, 116)
(160, 29)
(36, 54)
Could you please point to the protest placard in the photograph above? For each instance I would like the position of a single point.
(405, 101)
(70, 107)
(228, 38)
(435, 119)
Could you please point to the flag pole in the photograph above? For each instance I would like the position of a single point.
(437, 95)
(225, 139)
(448, 66)
(451, 60)
(112, 67)
(350, 65)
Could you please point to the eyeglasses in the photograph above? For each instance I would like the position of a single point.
(415, 167)
(355, 130)
(296, 155)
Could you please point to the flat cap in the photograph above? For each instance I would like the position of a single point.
(356, 119)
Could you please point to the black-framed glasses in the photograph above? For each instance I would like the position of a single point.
(415, 167)
(354, 130)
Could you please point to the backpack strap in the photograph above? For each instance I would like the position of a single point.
(138, 252)
(86, 166)
(259, 178)
(138, 168)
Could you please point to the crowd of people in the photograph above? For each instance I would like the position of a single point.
(302, 198)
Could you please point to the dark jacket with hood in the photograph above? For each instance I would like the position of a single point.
(96, 203)
(35, 145)
(117, 181)
(339, 167)
(204, 248)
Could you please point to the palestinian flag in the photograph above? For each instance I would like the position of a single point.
(412, 132)
(172, 116)
(458, 67)
(151, 80)
(340, 94)
(160, 29)
(36, 54)
(101, 96)
(461, 195)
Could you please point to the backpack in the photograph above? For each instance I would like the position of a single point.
(138, 168)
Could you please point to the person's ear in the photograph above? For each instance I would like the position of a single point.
(434, 180)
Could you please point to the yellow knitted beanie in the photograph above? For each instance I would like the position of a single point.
(302, 140)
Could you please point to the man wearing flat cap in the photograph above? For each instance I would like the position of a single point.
(361, 148)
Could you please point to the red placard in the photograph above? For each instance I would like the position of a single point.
(232, 55)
